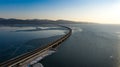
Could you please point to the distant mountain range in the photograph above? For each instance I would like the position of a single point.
(37, 21)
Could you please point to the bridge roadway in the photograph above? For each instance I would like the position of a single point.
(25, 59)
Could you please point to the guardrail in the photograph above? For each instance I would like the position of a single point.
(18, 61)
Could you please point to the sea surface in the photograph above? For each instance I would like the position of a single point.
(90, 45)
(19, 39)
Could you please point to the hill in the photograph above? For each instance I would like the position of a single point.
(37, 21)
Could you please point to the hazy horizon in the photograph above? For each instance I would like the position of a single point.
(98, 11)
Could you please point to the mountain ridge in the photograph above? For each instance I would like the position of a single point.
(38, 21)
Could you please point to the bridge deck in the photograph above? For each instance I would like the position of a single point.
(25, 59)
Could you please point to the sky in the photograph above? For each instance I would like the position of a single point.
(98, 11)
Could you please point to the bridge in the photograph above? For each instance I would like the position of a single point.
(30, 58)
